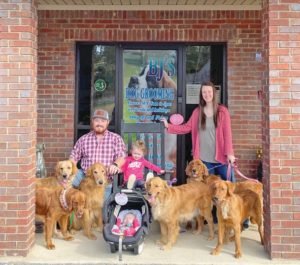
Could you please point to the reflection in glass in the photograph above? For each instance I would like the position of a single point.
(103, 79)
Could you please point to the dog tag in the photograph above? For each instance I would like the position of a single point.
(176, 119)
(121, 198)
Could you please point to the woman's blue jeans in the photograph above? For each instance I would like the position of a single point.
(219, 169)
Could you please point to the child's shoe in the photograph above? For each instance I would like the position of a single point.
(131, 182)
(149, 176)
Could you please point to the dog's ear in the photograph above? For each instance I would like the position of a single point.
(74, 168)
(57, 168)
(188, 169)
(89, 172)
(204, 170)
(168, 81)
(165, 184)
(230, 188)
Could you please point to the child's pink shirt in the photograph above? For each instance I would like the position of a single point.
(136, 167)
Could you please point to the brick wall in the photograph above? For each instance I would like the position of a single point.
(17, 125)
(281, 123)
(59, 31)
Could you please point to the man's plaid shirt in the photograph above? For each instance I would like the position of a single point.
(90, 150)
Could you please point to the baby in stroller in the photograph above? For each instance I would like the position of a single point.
(134, 165)
(128, 222)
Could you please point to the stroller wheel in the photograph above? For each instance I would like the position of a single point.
(113, 248)
(138, 249)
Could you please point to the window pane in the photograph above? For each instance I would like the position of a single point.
(103, 79)
(84, 89)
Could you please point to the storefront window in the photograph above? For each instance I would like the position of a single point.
(103, 79)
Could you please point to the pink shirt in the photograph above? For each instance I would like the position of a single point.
(136, 167)
(223, 134)
(90, 150)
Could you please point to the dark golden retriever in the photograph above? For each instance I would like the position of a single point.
(65, 172)
(93, 186)
(196, 171)
(55, 204)
(232, 210)
(172, 205)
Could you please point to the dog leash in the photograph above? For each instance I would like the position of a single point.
(235, 167)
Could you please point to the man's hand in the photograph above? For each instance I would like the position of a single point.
(113, 169)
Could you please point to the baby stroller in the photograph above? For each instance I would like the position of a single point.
(120, 201)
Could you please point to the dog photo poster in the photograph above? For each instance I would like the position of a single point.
(150, 91)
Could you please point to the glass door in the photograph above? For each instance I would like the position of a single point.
(150, 91)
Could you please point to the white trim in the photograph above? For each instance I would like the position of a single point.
(146, 7)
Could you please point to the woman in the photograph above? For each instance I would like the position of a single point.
(210, 127)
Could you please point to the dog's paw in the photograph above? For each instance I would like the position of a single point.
(215, 252)
(92, 237)
(165, 247)
(238, 254)
(50, 246)
(68, 238)
(210, 238)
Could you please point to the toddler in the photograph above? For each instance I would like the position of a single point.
(134, 165)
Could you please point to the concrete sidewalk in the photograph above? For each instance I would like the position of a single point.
(190, 249)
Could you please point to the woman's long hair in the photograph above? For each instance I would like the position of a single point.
(202, 104)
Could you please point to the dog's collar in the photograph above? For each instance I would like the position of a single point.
(62, 199)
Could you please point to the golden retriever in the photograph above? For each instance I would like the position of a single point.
(93, 186)
(196, 171)
(55, 204)
(171, 205)
(65, 172)
(232, 210)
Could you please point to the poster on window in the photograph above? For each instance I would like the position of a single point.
(150, 91)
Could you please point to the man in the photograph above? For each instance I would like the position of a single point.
(99, 145)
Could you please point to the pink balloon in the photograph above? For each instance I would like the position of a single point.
(176, 119)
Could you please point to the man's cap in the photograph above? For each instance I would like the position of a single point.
(100, 113)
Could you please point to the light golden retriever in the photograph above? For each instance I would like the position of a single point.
(55, 204)
(232, 210)
(65, 172)
(172, 205)
(93, 186)
(196, 171)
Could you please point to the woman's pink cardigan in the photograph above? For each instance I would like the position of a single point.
(223, 134)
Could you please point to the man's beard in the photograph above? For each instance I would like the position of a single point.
(99, 130)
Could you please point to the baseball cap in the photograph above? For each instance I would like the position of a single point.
(100, 113)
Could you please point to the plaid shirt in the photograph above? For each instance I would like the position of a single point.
(90, 150)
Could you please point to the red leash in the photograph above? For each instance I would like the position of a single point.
(235, 167)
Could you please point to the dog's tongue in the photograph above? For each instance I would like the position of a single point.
(151, 199)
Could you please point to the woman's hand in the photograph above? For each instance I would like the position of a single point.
(231, 159)
(166, 124)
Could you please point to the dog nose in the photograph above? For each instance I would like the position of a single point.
(193, 170)
(100, 182)
(65, 176)
(133, 80)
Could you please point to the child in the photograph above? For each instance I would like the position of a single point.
(128, 226)
(134, 166)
